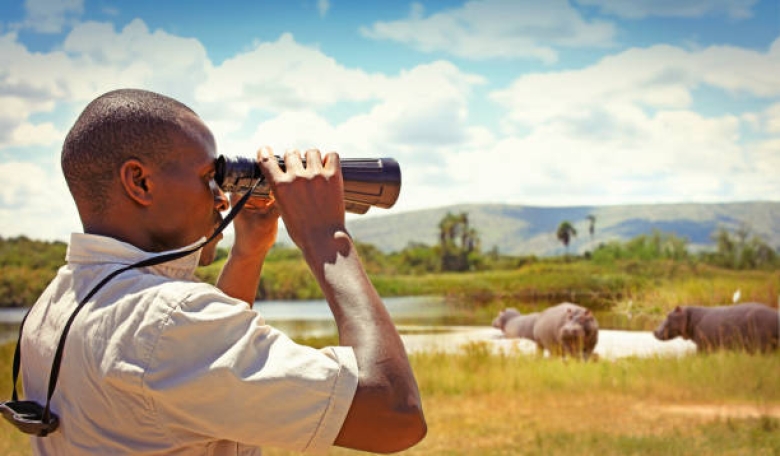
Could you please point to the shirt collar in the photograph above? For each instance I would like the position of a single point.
(86, 249)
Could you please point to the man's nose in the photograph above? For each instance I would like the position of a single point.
(221, 202)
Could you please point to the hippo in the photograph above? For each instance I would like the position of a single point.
(751, 327)
(567, 330)
(515, 325)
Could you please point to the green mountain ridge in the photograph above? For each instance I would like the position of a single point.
(530, 230)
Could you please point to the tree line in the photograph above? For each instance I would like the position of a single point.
(27, 266)
(738, 249)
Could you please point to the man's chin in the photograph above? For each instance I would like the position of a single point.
(206, 258)
(209, 252)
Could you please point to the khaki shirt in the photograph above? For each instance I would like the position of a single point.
(158, 363)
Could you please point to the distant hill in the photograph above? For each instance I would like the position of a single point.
(526, 230)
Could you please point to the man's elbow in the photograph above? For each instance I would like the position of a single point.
(408, 429)
(417, 431)
(384, 418)
(415, 428)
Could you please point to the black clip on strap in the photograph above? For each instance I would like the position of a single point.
(29, 416)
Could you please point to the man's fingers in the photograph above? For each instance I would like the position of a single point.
(313, 160)
(292, 161)
(332, 162)
(268, 163)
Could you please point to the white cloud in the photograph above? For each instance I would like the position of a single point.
(94, 59)
(625, 129)
(284, 75)
(51, 16)
(420, 118)
(420, 112)
(638, 9)
(659, 77)
(35, 202)
(16, 129)
(505, 29)
(30, 76)
(134, 57)
(772, 120)
(424, 107)
(677, 156)
(738, 70)
(23, 93)
(20, 181)
(768, 155)
(300, 130)
(28, 134)
(323, 6)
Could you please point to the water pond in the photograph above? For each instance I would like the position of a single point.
(297, 318)
(427, 314)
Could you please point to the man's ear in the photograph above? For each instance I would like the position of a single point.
(135, 181)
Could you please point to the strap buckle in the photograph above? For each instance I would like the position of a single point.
(29, 417)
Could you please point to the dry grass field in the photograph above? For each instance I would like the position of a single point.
(478, 403)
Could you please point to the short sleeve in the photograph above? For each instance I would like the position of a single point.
(218, 371)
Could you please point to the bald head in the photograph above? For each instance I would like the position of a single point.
(117, 126)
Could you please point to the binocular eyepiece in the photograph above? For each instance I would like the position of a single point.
(367, 181)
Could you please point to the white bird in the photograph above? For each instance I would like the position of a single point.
(736, 296)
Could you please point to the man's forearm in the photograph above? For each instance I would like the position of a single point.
(358, 309)
(387, 401)
(240, 276)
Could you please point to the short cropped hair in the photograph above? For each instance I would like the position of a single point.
(117, 126)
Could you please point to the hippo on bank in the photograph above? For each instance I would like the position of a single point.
(751, 327)
(515, 325)
(567, 330)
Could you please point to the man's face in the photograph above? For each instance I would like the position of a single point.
(188, 205)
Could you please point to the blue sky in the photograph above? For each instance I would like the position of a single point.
(586, 102)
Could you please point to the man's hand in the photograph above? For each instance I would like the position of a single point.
(256, 226)
(310, 198)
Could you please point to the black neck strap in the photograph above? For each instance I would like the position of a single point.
(48, 417)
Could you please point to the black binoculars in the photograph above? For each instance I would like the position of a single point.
(367, 181)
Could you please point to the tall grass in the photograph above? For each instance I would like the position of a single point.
(480, 403)
(722, 376)
(12, 442)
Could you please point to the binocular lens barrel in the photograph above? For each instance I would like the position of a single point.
(367, 181)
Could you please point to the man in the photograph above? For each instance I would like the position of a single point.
(157, 363)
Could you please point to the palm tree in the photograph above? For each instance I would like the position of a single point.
(592, 227)
(565, 232)
(454, 229)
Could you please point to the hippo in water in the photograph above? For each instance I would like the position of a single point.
(751, 327)
(515, 325)
(567, 330)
